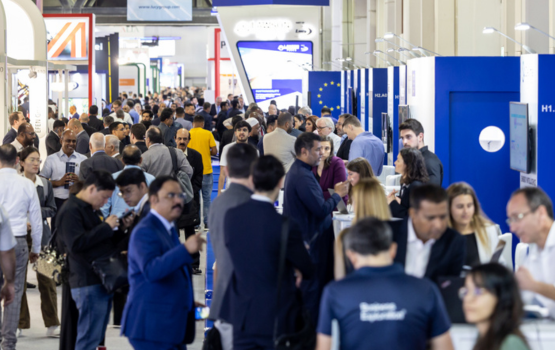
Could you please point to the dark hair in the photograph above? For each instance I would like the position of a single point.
(283, 118)
(369, 236)
(188, 104)
(57, 124)
(155, 135)
(351, 120)
(234, 103)
(325, 110)
(166, 114)
(305, 140)
(223, 104)
(93, 110)
(138, 130)
(267, 171)
(240, 158)
(198, 119)
(22, 127)
(8, 154)
(108, 120)
(155, 109)
(130, 103)
(179, 111)
(271, 119)
(101, 179)
(535, 197)
(158, 183)
(507, 314)
(105, 112)
(131, 155)
(412, 124)
(291, 110)
(117, 102)
(427, 192)
(65, 121)
(24, 153)
(150, 114)
(131, 176)
(242, 124)
(206, 105)
(236, 119)
(415, 166)
(114, 126)
(327, 161)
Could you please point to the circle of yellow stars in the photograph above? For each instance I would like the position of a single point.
(322, 89)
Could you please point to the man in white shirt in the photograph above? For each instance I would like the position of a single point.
(427, 247)
(25, 136)
(279, 143)
(116, 106)
(530, 216)
(325, 127)
(20, 199)
(242, 131)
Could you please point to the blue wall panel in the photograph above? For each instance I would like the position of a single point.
(395, 112)
(546, 124)
(470, 94)
(325, 90)
(378, 100)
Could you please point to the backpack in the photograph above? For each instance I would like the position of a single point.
(182, 177)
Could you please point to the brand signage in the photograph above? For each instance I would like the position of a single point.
(67, 38)
(160, 10)
(274, 28)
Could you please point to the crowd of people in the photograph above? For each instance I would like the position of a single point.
(117, 186)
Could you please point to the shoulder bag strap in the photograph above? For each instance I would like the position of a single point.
(281, 265)
(174, 159)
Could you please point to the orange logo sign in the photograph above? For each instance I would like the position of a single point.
(74, 33)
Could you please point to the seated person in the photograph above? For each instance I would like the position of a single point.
(466, 217)
(426, 246)
(378, 306)
(530, 216)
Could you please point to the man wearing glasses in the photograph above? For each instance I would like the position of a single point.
(160, 277)
(530, 217)
(25, 137)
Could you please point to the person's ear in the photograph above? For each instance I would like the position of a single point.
(352, 256)
(393, 250)
(412, 212)
(140, 160)
(281, 182)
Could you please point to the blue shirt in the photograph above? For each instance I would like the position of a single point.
(383, 308)
(133, 113)
(371, 148)
(116, 205)
(303, 200)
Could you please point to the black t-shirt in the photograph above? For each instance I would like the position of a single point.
(343, 151)
(472, 256)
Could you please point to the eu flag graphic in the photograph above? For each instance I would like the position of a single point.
(325, 91)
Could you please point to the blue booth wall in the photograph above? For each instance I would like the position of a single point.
(393, 111)
(546, 123)
(377, 100)
(472, 93)
(325, 91)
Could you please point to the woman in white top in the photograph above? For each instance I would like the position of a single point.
(466, 217)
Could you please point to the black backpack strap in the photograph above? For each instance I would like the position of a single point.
(174, 159)
(281, 265)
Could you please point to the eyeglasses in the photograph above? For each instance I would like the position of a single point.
(321, 127)
(517, 218)
(172, 195)
(35, 160)
(463, 292)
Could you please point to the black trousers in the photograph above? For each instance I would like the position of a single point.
(120, 298)
(59, 203)
(189, 231)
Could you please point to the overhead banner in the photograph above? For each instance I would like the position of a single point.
(67, 38)
(160, 10)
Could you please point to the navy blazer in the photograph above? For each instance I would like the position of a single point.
(160, 287)
(253, 291)
(447, 255)
(10, 136)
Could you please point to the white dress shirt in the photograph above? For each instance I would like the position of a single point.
(168, 225)
(260, 198)
(55, 168)
(418, 253)
(541, 264)
(19, 197)
(126, 118)
(7, 240)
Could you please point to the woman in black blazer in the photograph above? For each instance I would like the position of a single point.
(410, 164)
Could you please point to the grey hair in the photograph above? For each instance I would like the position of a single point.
(535, 198)
(305, 111)
(112, 140)
(329, 123)
(369, 236)
(97, 140)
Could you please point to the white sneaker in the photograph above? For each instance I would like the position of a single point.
(53, 332)
(19, 332)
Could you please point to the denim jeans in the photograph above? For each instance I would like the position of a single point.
(207, 183)
(94, 304)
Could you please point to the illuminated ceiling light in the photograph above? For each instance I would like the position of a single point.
(389, 35)
(490, 30)
(526, 26)
(424, 51)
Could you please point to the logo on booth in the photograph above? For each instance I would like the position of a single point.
(70, 42)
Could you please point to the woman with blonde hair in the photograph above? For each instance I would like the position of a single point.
(369, 200)
(466, 217)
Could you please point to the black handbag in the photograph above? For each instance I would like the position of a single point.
(305, 337)
(112, 271)
(213, 340)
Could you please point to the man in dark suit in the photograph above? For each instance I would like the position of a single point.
(25, 106)
(427, 247)
(220, 119)
(137, 136)
(159, 267)
(216, 107)
(412, 134)
(239, 191)
(99, 160)
(82, 136)
(234, 109)
(107, 122)
(85, 119)
(254, 286)
(191, 218)
(15, 119)
(207, 117)
(94, 122)
(52, 141)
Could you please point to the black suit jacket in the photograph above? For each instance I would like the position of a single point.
(213, 110)
(401, 210)
(142, 146)
(52, 142)
(10, 136)
(227, 138)
(195, 159)
(344, 149)
(89, 130)
(106, 131)
(222, 116)
(95, 123)
(433, 165)
(447, 255)
(99, 160)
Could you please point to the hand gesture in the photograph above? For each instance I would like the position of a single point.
(194, 243)
(298, 278)
(341, 188)
(127, 221)
(391, 197)
(33, 257)
(112, 220)
(7, 293)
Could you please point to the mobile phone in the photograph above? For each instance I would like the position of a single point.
(70, 168)
(201, 313)
(126, 214)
